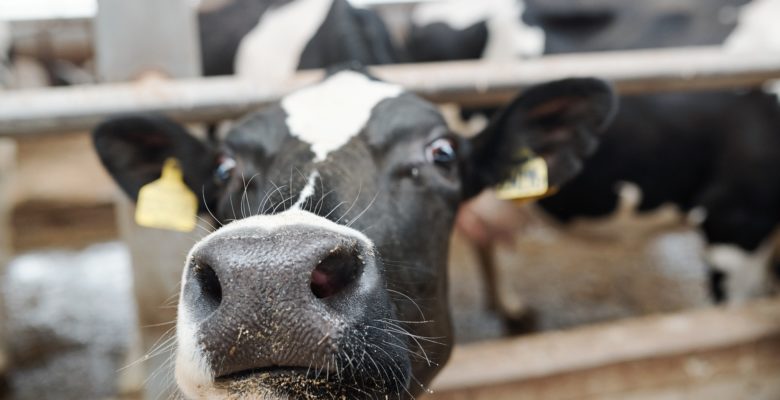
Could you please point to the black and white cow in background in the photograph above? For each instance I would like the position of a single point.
(268, 40)
(715, 153)
(331, 279)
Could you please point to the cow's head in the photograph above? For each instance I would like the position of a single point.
(331, 278)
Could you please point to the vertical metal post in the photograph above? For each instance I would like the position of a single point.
(133, 38)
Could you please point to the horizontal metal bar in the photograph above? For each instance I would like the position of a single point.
(467, 83)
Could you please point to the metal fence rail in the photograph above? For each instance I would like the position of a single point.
(466, 83)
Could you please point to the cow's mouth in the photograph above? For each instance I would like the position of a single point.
(303, 383)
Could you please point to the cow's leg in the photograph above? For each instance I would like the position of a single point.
(488, 222)
(518, 318)
(740, 226)
(737, 275)
(7, 164)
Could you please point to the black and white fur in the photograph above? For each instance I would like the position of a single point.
(357, 166)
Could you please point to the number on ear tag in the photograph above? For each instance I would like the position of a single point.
(167, 203)
(528, 182)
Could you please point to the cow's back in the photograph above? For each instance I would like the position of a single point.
(608, 25)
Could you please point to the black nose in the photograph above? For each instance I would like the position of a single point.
(276, 298)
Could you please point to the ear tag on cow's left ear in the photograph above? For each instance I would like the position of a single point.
(167, 203)
(528, 181)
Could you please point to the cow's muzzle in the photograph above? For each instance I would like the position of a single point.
(299, 302)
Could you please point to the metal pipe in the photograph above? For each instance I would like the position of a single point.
(467, 83)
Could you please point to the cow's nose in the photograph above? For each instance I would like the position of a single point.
(334, 272)
(261, 299)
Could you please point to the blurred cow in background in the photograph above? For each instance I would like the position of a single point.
(20, 71)
(268, 40)
(715, 155)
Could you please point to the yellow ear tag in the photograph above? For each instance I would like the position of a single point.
(528, 182)
(167, 203)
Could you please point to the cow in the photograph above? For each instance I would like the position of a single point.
(715, 155)
(268, 40)
(327, 274)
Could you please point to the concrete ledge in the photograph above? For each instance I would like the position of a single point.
(724, 353)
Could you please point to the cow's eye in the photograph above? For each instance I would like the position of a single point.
(442, 152)
(225, 169)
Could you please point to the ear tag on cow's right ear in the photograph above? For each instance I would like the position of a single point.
(167, 203)
(528, 182)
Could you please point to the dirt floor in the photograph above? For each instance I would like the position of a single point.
(70, 324)
(550, 276)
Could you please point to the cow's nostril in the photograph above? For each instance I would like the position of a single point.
(335, 273)
(208, 283)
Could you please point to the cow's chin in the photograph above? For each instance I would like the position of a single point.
(296, 384)
(283, 384)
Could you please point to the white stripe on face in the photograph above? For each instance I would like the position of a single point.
(307, 191)
(329, 114)
(272, 51)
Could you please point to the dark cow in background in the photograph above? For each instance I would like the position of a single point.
(715, 153)
(331, 281)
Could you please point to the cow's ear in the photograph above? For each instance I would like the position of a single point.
(559, 121)
(133, 149)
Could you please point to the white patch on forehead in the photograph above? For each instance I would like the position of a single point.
(747, 274)
(508, 36)
(271, 52)
(331, 113)
(757, 30)
(307, 191)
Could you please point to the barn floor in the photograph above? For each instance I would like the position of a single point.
(70, 322)
(71, 316)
